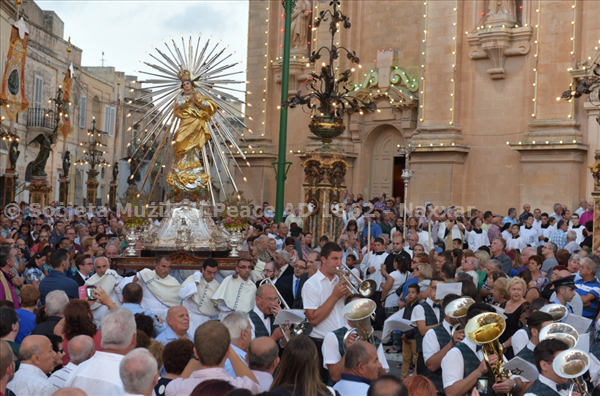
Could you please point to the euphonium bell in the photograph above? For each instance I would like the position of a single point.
(485, 329)
(360, 311)
(457, 309)
(572, 364)
(557, 311)
(561, 331)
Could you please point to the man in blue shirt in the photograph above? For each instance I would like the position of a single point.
(132, 298)
(178, 324)
(511, 218)
(240, 331)
(375, 228)
(588, 287)
(57, 280)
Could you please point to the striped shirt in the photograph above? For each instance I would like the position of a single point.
(584, 288)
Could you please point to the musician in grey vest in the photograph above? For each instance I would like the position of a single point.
(426, 316)
(536, 322)
(263, 314)
(438, 342)
(548, 382)
(464, 364)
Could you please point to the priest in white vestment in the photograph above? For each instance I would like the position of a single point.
(237, 291)
(107, 279)
(161, 290)
(196, 293)
(373, 261)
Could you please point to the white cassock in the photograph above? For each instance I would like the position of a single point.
(475, 239)
(408, 250)
(424, 239)
(537, 224)
(197, 300)
(374, 260)
(579, 232)
(547, 232)
(258, 273)
(109, 282)
(235, 294)
(456, 233)
(516, 243)
(530, 235)
(160, 294)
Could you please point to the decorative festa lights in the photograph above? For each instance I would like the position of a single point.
(92, 155)
(454, 53)
(424, 62)
(7, 134)
(535, 55)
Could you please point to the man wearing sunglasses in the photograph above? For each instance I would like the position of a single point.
(237, 291)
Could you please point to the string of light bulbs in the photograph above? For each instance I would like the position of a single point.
(536, 56)
(424, 62)
(266, 78)
(454, 53)
(573, 35)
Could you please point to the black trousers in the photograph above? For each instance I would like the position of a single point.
(323, 371)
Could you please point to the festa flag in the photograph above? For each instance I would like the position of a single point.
(65, 129)
(13, 81)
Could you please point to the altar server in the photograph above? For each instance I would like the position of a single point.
(196, 293)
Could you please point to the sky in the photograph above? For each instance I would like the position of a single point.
(125, 30)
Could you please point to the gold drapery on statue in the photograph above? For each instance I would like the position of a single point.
(194, 111)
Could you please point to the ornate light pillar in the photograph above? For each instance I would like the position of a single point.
(92, 187)
(39, 191)
(7, 184)
(324, 182)
(63, 190)
(595, 168)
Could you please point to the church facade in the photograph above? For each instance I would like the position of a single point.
(473, 85)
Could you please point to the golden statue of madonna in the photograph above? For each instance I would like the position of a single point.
(194, 111)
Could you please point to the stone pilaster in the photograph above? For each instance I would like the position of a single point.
(595, 168)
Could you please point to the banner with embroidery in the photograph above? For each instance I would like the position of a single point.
(13, 81)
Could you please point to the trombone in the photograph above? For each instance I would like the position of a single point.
(457, 309)
(303, 328)
(366, 288)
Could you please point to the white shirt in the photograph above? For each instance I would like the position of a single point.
(453, 363)
(418, 312)
(99, 375)
(29, 380)
(519, 340)
(351, 388)
(315, 292)
(399, 279)
(579, 232)
(59, 378)
(331, 351)
(551, 384)
(431, 344)
(266, 321)
(264, 379)
(408, 250)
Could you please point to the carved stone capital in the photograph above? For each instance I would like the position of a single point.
(496, 42)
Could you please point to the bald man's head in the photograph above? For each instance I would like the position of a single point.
(81, 348)
(69, 392)
(387, 385)
(263, 354)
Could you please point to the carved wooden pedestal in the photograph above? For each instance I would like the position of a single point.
(179, 261)
(595, 168)
(112, 195)
(39, 191)
(63, 190)
(7, 185)
(92, 187)
(324, 182)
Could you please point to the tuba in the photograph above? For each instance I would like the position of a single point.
(360, 311)
(457, 309)
(572, 364)
(557, 311)
(485, 329)
(562, 331)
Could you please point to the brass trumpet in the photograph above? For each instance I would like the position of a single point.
(303, 328)
(457, 309)
(485, 329)
(366, 288)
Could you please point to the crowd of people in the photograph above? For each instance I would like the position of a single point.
(71, 325)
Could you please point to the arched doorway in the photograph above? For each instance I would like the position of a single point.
(386, 163)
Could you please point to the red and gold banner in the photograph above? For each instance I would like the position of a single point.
(13, 81)
(65, 129)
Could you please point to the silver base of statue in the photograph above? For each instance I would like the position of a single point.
(190, 227)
